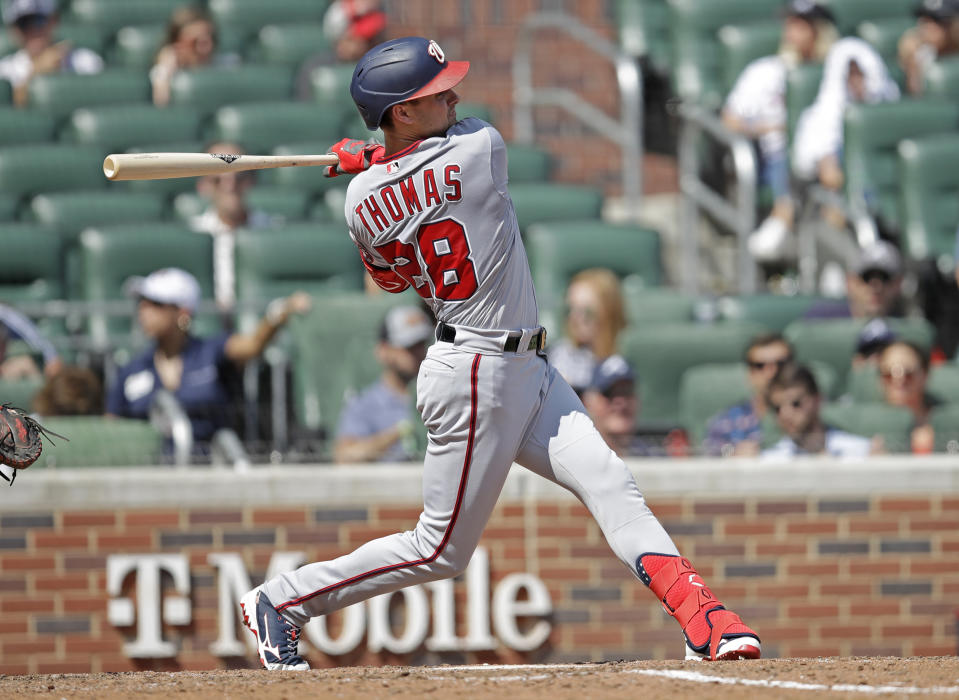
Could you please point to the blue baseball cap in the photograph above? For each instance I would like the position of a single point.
(610, 371)
(14, 10)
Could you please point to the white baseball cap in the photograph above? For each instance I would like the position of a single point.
(15, 9)
(405, 326)
(169, 285)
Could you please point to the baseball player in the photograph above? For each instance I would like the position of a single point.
(431, 211)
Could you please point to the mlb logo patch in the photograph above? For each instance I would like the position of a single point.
(392, 168)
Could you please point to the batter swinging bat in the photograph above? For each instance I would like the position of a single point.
(158, 166)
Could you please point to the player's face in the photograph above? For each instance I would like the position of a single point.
(433, 115)
(903, 379)
(763, 362)
(796, 410)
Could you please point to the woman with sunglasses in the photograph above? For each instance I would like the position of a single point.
(32, 24)
(903, 374)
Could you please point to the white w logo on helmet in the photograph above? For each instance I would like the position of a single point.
(436, 52)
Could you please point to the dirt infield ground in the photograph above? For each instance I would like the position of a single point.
(812, 679)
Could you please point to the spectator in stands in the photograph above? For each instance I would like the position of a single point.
(873, 286)
(352, 27)
(738, 429)
(595, 316)
(794, 399)
(32, 24)
(377, 425)
(16, 326)
(875, 337)
(853, 73)
(74, 391)
(756, 108)
(935, 35)
(195, 370)
(190, 42)
(612, 403)
(903, 373)
(228, 212)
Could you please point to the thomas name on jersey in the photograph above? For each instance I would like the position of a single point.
(394, 203)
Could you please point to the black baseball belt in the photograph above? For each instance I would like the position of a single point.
(447, 334)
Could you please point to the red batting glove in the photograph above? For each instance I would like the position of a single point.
(355, 156)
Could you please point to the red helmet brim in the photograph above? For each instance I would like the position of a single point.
(449, 77)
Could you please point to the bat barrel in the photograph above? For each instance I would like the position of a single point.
(157, 166)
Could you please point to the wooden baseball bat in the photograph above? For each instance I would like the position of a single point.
(158, 166)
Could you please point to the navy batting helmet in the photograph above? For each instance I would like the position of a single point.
(400, 70)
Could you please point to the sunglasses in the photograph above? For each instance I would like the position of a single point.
(794, 404)
(899, 372)
(757, 366)
(869, 275)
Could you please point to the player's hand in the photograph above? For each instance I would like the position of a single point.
(355, 156)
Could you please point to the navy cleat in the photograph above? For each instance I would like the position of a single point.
(277, 638)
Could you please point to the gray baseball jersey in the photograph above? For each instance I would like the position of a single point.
(438, 214)
(441, 211)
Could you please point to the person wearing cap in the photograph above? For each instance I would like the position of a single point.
(874, 337)
(935, 35)
(227, 212)
(756, 108)
(612, 403)
(32, 24)
(195, 370)
(377, 424)
(873, 286)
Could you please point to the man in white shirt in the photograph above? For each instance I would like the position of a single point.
(794, 398)
(32, 23)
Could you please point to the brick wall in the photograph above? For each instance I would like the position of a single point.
(484, 32)
(816, 575)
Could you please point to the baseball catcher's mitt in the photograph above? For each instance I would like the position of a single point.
(20, 439)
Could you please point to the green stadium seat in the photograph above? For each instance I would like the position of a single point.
(27, 170)
(136, 46)
(560, 249)
(929, 181)
(707, 389)
(870, 146)
(8, 207)
(109, 255)
(945, 422)
(270, 264)
(646, 306)
(208, 89)
(661, 357)
(306, 179)
(61, 93)
(343, 326)
(802, 86)
(695, 25)
(331, 86)
(246, 17)
(644, 31)
(71, 212)
(20, 126)
(539, 202)
(943, 383)
(528, 163)
(6, 93)
(862, 384)
(883, 34)
(285, 203)
(31, 267)
(774, 311)
(111, 15)
(474, 109)
(288, 44)
(119, 127)
(261, 126)
(20, 392)
(852, 13)
(97, 441)
(942, 79)
(893, 423)
(87, 36)
(741, 44)
(833, 341)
